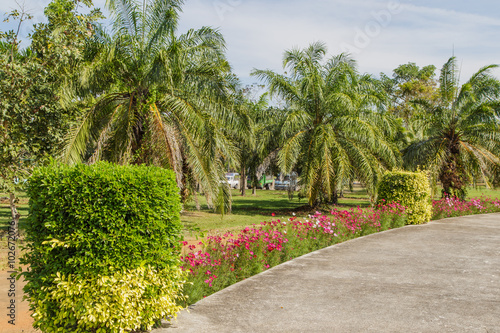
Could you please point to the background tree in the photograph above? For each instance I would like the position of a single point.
(462, 133)
(409, 83)
(331, 129)
(14, 151)
(32, 121)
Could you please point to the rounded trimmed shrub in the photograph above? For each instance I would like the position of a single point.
(99, 239)
(410, 189)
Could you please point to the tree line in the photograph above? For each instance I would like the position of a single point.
(140, 92)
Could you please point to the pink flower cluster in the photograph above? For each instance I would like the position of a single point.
(452, 207)
(227, 249)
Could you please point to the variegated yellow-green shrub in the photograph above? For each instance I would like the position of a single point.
(121, 302)
(102, 247)
(410, 189)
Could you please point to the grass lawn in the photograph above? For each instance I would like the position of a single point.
(248, 210)
(254, 209)
(482, 191)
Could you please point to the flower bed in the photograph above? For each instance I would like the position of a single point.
(220, 261)
(226, 259)
(452, 207)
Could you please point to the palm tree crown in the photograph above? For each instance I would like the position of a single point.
(462, 133)
(332, 129)
(156, 97)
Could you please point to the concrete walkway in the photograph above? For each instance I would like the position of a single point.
(440, 277)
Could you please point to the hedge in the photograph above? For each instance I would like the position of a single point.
(410, 189)
(99, 236)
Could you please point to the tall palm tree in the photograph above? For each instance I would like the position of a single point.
(462, 131)
(157, 97)
(332, 131)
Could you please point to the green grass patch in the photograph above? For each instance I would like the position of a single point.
(247, 210)
(254, 209)
(482, 191)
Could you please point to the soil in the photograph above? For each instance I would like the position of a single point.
(23, 321)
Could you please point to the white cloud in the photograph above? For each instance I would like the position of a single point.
(258, 31)
(438, 14)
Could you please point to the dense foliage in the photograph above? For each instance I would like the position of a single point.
(408, 83)
(33, 122)
(144, 93)
(410, 189)
(89, 225)
(120, 302)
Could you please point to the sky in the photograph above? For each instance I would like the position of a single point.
(379, 34)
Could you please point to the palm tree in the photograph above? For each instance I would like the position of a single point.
(332, 130)
(157, 98)
(257, 142)
(462, 131)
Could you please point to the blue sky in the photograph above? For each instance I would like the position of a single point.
(380, 34)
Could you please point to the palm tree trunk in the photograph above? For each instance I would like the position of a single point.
(453, 178)
(209, 200)
(243, 182)
(196, 201)
(335, 198)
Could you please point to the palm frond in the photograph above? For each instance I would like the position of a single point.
(125, 14)
(448, 81)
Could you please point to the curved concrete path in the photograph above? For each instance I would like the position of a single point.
(440, 277)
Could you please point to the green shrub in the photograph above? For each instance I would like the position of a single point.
(131, 299)
(410, 189)
(90, 228)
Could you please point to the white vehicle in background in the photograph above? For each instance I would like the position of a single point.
(233, 180)
(284, 182)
